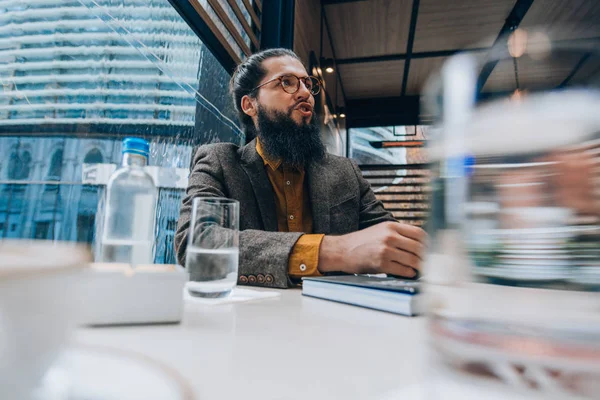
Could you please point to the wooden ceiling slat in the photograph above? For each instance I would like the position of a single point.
(369, 28)
(375, 32)
(589, 73)
(382, 79)
(582, 61)
(420, 70)
(573, 19)
(423, 68)
(444, 24)
(533, 74)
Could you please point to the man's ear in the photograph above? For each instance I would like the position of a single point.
(249, 106)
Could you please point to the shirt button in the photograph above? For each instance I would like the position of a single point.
(291, 217)
(302, 267)
(288, 183)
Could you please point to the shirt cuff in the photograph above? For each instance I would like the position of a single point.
(304, 258)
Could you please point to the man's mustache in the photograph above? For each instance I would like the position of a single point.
(292, 108)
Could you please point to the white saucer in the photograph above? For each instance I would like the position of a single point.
(104, 373)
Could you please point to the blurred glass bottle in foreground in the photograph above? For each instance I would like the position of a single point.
(513, 271)
(128, 233)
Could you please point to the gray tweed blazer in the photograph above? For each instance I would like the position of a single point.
(342, 202)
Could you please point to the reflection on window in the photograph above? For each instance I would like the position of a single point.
(55, 170)
(93, 157)
(403, 189)
(19, 165)
(78, 76)
(172, 225)
(362, 147)
(41, 230)
(85, 228)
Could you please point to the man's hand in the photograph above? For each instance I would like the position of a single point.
(389, 247)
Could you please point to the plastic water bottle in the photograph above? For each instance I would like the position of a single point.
(128, 233)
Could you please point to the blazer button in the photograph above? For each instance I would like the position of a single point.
(251, 279)
(243, 279)
(260, 278)
(269, 279)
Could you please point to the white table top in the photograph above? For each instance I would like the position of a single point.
(290, 347)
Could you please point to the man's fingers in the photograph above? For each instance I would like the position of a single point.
(410, 231)
(397, 269)
(404, 258)
(409, 245)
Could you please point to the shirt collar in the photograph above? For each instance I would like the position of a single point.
(274, 164)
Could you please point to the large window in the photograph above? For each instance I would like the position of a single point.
(79, 75)
(384, 144)
(393, 160)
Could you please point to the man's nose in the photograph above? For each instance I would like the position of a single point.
(303, 91)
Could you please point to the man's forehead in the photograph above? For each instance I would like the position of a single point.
(277, 66)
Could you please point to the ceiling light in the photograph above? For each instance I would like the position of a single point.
(328, 65)
(517, 43)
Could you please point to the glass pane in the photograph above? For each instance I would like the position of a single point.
(76, 77)
(404, 190)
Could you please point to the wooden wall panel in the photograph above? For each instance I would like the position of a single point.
(307, 27)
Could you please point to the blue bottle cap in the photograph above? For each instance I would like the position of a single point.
(136, 146)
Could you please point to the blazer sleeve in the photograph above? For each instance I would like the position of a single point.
(204, 181)
(371, 210)
(263, 255)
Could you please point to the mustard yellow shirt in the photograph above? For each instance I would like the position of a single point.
(294, 214)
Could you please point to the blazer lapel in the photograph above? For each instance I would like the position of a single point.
(320, 196)
(253, 165)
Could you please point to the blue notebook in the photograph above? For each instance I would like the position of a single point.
(379, 293)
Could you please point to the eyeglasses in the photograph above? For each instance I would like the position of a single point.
(291, 84)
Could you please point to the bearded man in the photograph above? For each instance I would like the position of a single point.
(303, 212)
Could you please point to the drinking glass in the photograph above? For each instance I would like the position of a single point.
(513, 270)
(212, 253)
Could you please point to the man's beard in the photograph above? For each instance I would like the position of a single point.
(283, 139)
